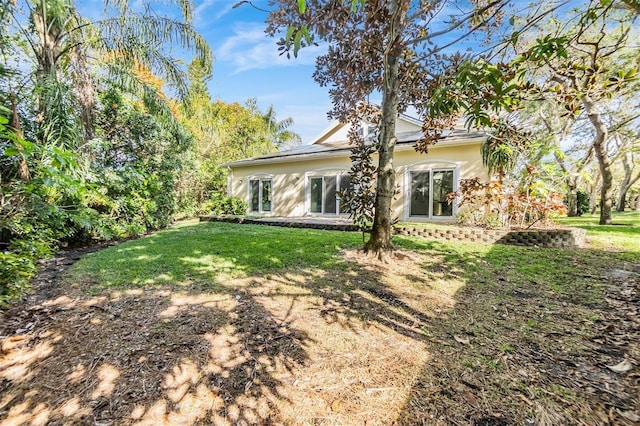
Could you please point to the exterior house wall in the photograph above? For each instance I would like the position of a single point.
(290, 178)
(289, 181)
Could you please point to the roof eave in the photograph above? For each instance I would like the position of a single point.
(401, 146)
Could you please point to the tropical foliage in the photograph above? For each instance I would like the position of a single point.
(91, 145)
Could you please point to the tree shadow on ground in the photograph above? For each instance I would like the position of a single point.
(529, 339)
(284, 330)
(207, 347)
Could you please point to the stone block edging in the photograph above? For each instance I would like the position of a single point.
(555, 238)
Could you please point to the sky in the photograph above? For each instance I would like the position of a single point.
(247, 65)
(246, 62)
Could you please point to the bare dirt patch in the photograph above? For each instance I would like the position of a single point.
(415, 341)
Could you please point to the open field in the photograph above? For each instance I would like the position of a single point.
(212, 323)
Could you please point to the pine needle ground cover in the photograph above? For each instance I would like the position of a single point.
(211, 323)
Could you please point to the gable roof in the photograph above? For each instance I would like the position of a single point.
(340, 129)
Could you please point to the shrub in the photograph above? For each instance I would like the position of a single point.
(220, 204)
(15, 272)
(492, 204)
(584, 200)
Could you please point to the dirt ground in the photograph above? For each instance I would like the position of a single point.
(366, 346)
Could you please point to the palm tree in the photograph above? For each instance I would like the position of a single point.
(70, 53)
(278, 131)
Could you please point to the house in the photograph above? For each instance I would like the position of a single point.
(305, 181)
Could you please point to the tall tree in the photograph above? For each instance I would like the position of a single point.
(66, 46)
(278, 130)
(584, 61)
(390, 47)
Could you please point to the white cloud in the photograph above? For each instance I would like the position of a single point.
(202, 14)
(249, 48)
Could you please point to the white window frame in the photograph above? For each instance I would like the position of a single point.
(260, 179)
(322, 173)
(431, 166)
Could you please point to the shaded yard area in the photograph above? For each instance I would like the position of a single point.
(213, 323)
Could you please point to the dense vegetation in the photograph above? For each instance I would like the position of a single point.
(91, 145)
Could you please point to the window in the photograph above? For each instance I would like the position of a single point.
(345, 181)
(323, 194)
(260, 195)
(442, 185)
(420, 193)
(429, 191)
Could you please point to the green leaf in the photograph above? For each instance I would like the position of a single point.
(306, 35)
(289, 34)
(11, 152)
(302, 6)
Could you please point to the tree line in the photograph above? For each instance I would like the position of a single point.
(91, 144)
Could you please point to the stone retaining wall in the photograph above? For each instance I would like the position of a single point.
(559, 238)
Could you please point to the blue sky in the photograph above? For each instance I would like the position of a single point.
(247, 65)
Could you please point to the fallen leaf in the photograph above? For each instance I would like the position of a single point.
(335, 405)
(621, 367)
(629, 415)
(470, 398)
(461, 340)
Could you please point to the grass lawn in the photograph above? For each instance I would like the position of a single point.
(214, 323)
(623, 235)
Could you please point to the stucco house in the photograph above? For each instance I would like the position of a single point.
(305, 181)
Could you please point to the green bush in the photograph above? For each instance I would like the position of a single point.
(15, 272)
(583, 202)
(221, 204)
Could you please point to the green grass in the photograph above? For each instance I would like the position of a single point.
(514, 304)
(623, 236)
(205, 254)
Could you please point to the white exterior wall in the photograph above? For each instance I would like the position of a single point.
(290, 178)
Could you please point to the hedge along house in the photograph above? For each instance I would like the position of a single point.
(305, 181)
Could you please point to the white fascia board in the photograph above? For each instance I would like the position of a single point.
(345, 151)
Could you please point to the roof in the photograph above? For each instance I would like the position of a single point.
(319, 150)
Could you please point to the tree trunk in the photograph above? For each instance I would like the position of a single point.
(622, 200)
(628, 181)
(17, 128)
(593, 194)
(572, 198)
(380, 238)
(600, 149)
(638, 202)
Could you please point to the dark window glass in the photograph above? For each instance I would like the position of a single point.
(419, 194)
(442, 185)
(266, 195)
(330, 201)
(254, 195)
(344, 185)
(316, 195)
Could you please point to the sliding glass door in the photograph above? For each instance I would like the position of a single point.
(260, 195)
(323, 194)
(428, 192)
